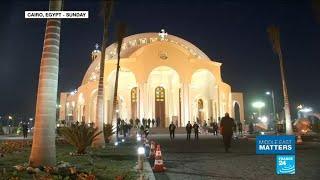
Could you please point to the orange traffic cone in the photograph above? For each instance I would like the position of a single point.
(152, 149)
(299, 139)
(158, 162)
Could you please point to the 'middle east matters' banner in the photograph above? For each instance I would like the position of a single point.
(275, 144)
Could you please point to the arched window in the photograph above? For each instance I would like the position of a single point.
(160, 97)
(134, 94)
(160, 94)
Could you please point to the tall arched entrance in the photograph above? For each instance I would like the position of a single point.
(160, 105)
(204, 96)
(162, 95)
(236, 112)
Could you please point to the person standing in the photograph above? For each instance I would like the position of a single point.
(146, 132)
(25, 130)
(153, 121)
(227, 124)
(149, 122)
(240, 128)
(141, 129)
(196, 130)
(137, 122)
(188, 129)
(251, 128)
(131, 122)
(158, 122)
(172, 128)
(215, 128)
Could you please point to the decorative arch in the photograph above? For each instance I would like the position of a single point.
(164, 69)
(81, 108)
(203, 86)
(92, 106)
(236, 111)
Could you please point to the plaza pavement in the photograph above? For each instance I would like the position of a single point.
(205, 159)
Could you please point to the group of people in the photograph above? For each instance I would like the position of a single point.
(227, 128)
(146, 122)
(189, 127)
(123, 127)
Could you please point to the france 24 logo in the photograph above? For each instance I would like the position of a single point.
(286, 164)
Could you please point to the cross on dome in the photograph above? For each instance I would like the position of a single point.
(163, 34)
(96, 46)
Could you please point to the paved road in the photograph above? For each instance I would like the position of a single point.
(206, 159)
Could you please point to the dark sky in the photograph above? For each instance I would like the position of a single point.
(231, 32)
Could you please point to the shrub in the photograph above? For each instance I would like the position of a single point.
(80, 136)
(11, 146)
(108, 132)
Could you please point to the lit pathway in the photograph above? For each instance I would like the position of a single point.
(6, 137)
(206, 159)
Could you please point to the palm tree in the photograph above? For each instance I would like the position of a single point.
(43, 150)
(274, 36)
(80, 136)
(99, 141)
(120, 35)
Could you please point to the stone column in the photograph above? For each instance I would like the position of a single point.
(145, 100)
(185, 107)
(219, 104)
(140, 105)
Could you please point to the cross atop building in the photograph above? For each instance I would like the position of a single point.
(163, 34)
(96, 46)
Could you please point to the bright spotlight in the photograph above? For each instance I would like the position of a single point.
(306, 110)
(138, 138)
(141, 150)
(116, 143)
(264, 119)
(122, 140)
(268, 93)
(258, 104)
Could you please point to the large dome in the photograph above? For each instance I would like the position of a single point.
(133, 43)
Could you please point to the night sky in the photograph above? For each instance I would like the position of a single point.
(230, 32)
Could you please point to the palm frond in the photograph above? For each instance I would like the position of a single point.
(274, 36)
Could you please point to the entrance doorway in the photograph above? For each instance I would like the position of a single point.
(134, 103)
(236, 112)
(160, 105)
(200, 111)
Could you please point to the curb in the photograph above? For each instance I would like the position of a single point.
(147, 173)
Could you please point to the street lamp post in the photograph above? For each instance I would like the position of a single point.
(273, 109)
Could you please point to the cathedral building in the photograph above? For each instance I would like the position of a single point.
(161, 76)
